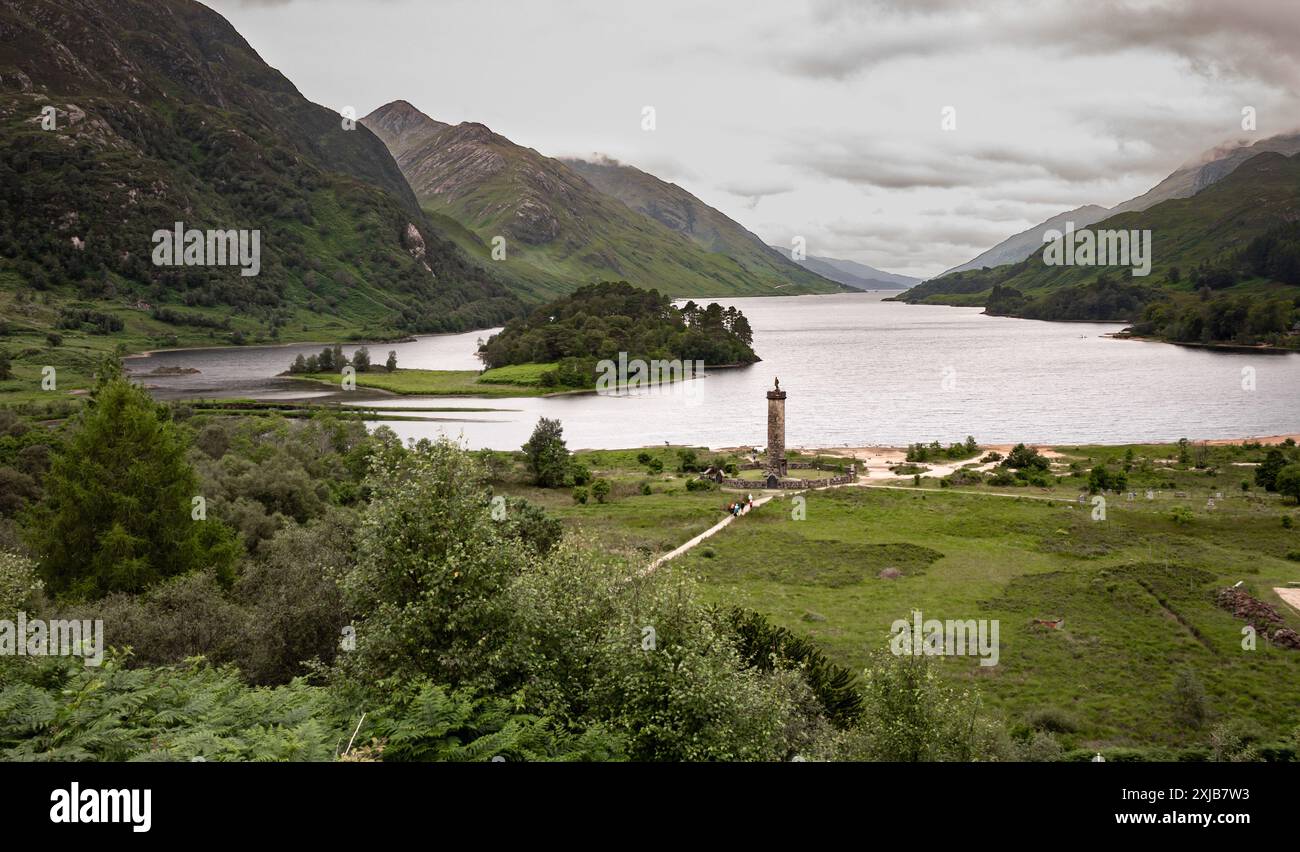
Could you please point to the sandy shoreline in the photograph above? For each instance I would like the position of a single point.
(879, 459)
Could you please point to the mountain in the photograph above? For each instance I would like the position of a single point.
(1225, 266)
(163, 113)
(560, 231)
(1016, 248)
(1188, 180)
(859, 276)
(1213, 167)
(675, 208)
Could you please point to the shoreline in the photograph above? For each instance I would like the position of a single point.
(144, 353)
(1238, 348)
(885, 450)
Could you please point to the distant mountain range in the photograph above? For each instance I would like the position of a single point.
(571, 222)
(1016, 248)
(1224, 266)
(1214, 166)
(859, 276)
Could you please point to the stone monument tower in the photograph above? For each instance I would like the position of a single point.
(776, 464)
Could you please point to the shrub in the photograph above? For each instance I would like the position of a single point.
(1191, 705)
(19, 583)
(548, 458)
(1052, 719)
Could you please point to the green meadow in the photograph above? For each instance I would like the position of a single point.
(1134, 592)
(502, 382)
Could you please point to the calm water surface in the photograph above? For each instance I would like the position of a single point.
(858, 371)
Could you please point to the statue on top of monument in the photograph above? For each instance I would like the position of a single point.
(778, 382)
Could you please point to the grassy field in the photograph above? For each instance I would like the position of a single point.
(1135, 590)
(502, 382)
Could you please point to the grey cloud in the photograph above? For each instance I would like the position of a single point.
(755, 191)
(1242, 40)
(867, 162)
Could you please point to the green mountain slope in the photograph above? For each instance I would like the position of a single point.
(164, 113)
(564, 229)
(675, 208)
(1230, 247)
(1211, 167)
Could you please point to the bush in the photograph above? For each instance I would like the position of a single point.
(913, 715)
(19, 584)
(1052, 719)
(600, 490)
(1022, 457)
(580, 494)
(427, 592)
(1041, 747)
(548, 458)
(1191, 705)
(1002, 478)
(1288, 481)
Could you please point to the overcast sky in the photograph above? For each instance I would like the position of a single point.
(824, 118)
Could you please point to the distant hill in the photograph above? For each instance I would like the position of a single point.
(562, 230)
(675, 208)
(163, 113)
(851, 273)
(1016, 248)
(1225, 266)
(1188, 180)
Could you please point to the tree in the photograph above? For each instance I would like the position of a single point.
(548, 458)
(600, 490)
(432, 568)
(1268, 470)
(391, 363)
(1288, 481)
(1022, 458)
(326, 360)
(915, 715)
(361, 359)
(117, 513)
